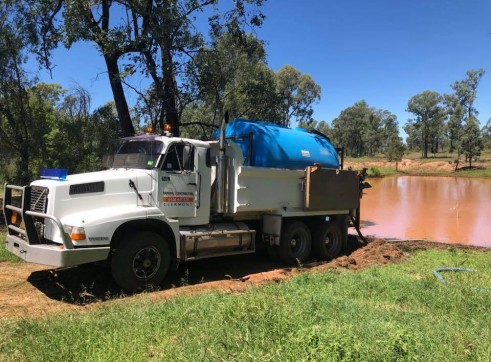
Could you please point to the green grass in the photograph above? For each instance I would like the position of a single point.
(474, 173)
(4, 254)
(391, 313)
(375, 171)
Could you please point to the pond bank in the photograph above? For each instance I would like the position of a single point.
(420, 167)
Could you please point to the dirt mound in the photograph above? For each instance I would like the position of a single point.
(32, 290)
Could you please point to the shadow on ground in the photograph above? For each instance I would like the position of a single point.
(92, 283)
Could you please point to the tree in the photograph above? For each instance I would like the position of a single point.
(364, 130)
(371, 131)
(155, 38)
(429, 119)
(347, 128)
(472, 143)
(389, 126)
(231, 75)
(317, 126)
(455, 113)
(16, 119)
(486, 134)
(460, 105)
(324, 128)
(413, 139)
(466, 91)
(395, 150)
(297, 93)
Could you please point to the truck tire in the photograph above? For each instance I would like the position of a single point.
(295, 243)
(141, 261)
(327, 241)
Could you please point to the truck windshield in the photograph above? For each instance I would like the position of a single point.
(136, 154)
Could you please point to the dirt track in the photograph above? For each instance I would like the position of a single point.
(27, 289)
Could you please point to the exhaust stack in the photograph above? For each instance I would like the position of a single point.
(222, 169)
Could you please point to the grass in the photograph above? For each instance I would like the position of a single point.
(390, 313)
(4, 254)
(375, 171)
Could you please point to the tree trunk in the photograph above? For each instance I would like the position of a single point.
(119, 97)
(170, 87)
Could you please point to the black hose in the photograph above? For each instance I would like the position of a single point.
(357, 228)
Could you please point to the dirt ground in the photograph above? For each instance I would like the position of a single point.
(407, 164)
(34, 290)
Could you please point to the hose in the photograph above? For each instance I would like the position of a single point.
(438, 276)
(357, 228)
(437, 271)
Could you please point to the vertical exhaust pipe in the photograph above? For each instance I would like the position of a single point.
(222, 170)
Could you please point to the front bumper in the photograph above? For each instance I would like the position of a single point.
(24, 241)
(54, 255)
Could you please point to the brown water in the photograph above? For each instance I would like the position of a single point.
(446, 209)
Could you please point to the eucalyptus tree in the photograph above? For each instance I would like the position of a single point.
(429, 117)
(395, 150)
(297, 93)
(466, 91)
(16, 119)
(486, 134)
(317, 126)
(389, 125)
(456, 114)
(347, 128)
(231, 74)
(472, 143)
(155, 38)
(460, 105)
(364, 130)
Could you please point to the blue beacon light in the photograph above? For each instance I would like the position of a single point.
(54, 173)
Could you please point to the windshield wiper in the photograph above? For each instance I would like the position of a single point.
(133, 186)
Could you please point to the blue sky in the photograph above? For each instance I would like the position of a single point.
(382, 51)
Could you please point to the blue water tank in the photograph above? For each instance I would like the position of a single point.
(270, 145)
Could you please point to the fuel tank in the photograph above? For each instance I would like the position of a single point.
(270, 145)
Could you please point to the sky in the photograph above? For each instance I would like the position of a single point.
(380, 51)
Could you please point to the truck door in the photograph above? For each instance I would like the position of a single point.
(179, 181)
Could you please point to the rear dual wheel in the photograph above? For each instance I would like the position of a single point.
(327, 241)
(295, 243)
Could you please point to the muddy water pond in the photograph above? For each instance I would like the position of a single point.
(446, 209)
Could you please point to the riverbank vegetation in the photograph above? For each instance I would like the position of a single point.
(441, 164)
(383, 313)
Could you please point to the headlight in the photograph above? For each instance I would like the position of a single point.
(75, 232)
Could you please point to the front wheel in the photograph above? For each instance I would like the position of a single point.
(327, 241)
(141, 261)
(295, 243)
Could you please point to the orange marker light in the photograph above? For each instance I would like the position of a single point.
(150, 129)
(78, 233)
(14, 218)
(167, 127)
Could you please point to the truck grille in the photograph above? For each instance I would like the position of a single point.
(39, 198)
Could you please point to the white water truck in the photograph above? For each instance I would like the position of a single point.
(166, 200)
